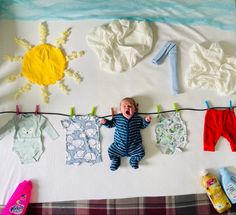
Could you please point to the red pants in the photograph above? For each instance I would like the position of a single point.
(219, 123)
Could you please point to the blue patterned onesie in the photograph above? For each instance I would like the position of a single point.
(82, 140)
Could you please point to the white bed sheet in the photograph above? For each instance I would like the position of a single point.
(158, 174)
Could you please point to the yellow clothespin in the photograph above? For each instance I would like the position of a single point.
(93, 111)
(158, 109)
(175, 107)
(72, 112)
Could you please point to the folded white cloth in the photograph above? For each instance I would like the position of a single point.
(121, 44)
(211, 69)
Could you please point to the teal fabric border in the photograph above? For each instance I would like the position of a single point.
(216, 13)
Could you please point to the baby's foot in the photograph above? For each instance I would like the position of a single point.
(133, 163)
(115, 163)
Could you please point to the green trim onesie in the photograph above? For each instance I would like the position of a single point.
(28, 135)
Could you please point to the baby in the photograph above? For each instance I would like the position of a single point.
(127, 139)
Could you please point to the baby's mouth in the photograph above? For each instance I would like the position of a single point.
(127, 112)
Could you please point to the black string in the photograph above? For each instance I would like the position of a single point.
(150, 113)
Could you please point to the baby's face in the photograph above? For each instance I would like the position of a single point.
(127, 108)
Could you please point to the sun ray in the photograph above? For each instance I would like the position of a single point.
(75, 75)
(45, 94)
(25, 88)
(24, 43)
(64, 88)
(43, 30)
(74, 55)
(63, 39)
(12, 77)
(13, 58)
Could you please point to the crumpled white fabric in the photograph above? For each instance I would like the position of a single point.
(211, 69)
(121, 44)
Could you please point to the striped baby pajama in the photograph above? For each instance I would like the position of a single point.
(127, 140)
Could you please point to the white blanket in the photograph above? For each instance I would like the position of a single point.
(158, 174)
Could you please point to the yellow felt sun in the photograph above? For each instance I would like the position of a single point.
(45, 64)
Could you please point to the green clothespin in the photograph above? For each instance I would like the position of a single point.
(93, 111)
(72, 111)
(158, 109)
(175, 107)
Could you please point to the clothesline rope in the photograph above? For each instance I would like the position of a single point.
(149, 113)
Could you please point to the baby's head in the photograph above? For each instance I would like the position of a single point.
(128, 107)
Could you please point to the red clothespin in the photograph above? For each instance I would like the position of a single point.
(113, 112)
(17, 110)
(37, 110)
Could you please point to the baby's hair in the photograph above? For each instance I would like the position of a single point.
(131, 100)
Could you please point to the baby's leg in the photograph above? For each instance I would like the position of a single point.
(115, 163)
(115, 153)
(136, 156)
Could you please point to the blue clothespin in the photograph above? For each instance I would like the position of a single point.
(72, 112)
(175, 107)
(230, 105)
(93, 111)
(207, 104)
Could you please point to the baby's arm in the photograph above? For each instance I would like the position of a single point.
(146, 121)
(108, 123)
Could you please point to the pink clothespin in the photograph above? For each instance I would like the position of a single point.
(37, 110)
(17, 110)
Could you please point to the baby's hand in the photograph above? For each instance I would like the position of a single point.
(148, 118)
(103, 121)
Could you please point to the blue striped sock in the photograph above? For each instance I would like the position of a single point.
(134, 163)
(115, 163)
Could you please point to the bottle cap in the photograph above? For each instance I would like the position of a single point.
(203, 172)
(223, 170)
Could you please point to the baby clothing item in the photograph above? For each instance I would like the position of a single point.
(127, 139)
(170, 50)
(121, 44)
(82, 139)
(211, 69)
(28, 135)
(171, 133)
(219, 123)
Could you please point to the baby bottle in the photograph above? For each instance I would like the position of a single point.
(215, 192)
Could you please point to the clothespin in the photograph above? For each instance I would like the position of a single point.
(175, 107)
(92, 113)
(230, 105)
(113, 112)
(17, 110)
(207, 104)
(72, 112)
(37, 110)
(158, 109)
